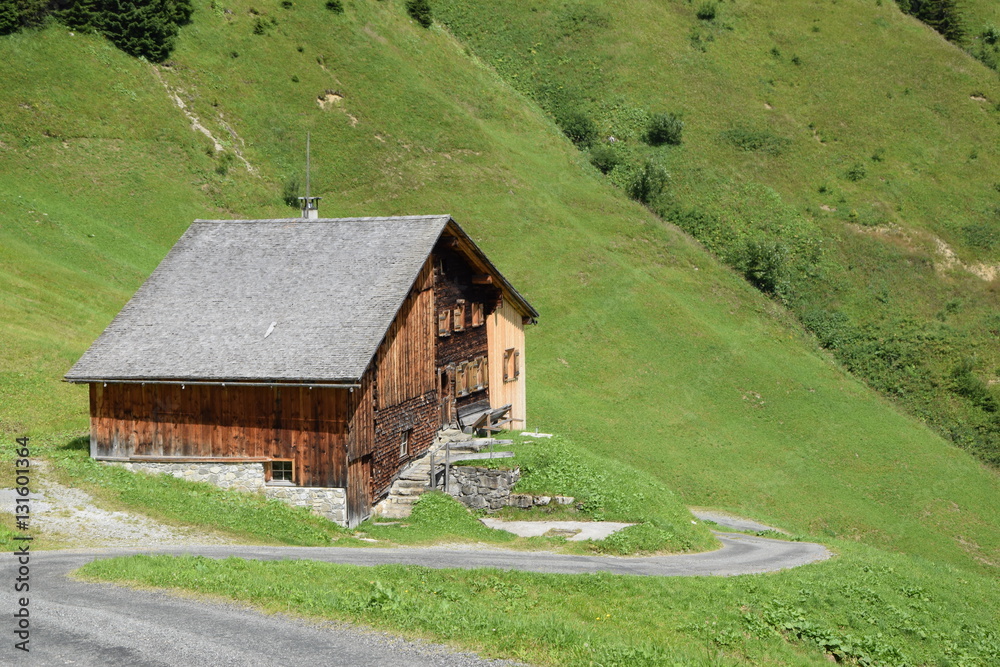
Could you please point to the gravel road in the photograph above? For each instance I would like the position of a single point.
(75, 623)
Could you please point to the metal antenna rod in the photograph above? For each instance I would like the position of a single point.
(310, 204)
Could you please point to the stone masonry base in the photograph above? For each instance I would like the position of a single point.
(249, 477)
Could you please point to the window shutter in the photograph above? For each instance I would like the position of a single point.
(508, 365)
(444, 323)
(517, 364)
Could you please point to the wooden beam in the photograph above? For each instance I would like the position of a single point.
(482, 279)
(198, 459)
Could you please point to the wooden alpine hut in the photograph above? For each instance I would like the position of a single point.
(326, 352)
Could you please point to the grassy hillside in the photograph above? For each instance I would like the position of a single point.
(648, 350)
(843, 155)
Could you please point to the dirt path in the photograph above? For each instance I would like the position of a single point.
(70, 517)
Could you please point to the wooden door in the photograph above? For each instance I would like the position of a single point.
(447, 398)
(359, 494)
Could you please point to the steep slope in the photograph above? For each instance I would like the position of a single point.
(844, 155)
(648, 349)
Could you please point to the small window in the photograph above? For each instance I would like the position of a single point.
(404, 443)
(281, 471)
(459, 316)
(444, 323)
(477, 315)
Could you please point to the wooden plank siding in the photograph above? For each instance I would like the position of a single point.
(505, 330)
(405, 384)
(405, 361)
(234, 422)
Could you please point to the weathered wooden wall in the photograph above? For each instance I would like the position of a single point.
(307, 425)
(405, 388)
(505, 330)
(453, 281)
(405, 361)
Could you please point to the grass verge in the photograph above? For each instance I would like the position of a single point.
(244, 516)
(602, 490)
(867, 607)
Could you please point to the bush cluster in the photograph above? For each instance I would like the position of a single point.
(648, 182)
(764, 263)
(576, 125)
(291, 192)
(707, 11)
(604, 158)
(944, 16)
(664, 128)
(144, 28)
(420, 11)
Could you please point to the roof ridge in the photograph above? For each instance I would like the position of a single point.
(436, 216)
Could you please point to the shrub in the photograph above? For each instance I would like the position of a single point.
(965, 383)
(944, 16)
(706, 12)
(990, 34)
(604, 158)
(335, 6)
(17, 14)
(576, 125)
(856, 172)
(143, 28)
(648, 182)
(420, 11)
(831, 327)
(664, 128)
(764, 263)
(290, 193)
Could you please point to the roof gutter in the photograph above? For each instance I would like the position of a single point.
(220, 383)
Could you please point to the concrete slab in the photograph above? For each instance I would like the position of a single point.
(580, 530)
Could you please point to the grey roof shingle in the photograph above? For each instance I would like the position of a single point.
(331, 286)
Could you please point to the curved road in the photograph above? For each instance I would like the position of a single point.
(101, 624)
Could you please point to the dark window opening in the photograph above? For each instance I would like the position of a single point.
(280, 471)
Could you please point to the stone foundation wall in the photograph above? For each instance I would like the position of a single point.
(249, 477)
(482, 488)
(239, 476)
(328, 502)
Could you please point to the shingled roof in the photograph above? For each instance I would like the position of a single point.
(331, 288)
